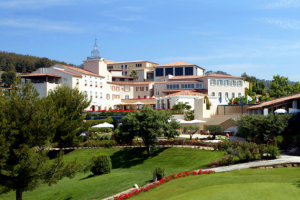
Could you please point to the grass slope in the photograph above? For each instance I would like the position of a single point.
(266, 184)
(130, 166)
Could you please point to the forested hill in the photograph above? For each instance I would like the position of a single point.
(24, 63)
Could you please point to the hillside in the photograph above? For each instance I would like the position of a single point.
(24, 63)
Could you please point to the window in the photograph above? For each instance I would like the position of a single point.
(137, 88)
(225, 82)
(139, 97)
(101, 95)
(212, 82)
(121, 66)
(96, 84)
(85, 82)
(233, 95)
(226, 95)
(113, 88)
(100, 84)
(230, 82)
(178, 71)
(126, 88)
(189, 71)
(173, 87)
(220, 95)
(239, 95)
(91, 94)
(159, 71)
(125, 67)
(113, 96)
(146, 89)
(168, 71)
(199, 86)
(218, 82)
(56, 81)
(77, 81)
(213, 94)
(65, 80)
(118, 88)
(125, 73)
(221, 82)
(157, 92)
(142, 88)
(91, 83)
(126, 96)
(107, 96)
(145, 97)
(234, 83)
(187, 86)
(96, 95)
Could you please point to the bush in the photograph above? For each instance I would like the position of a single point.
(100, 143)
(101, 165)
(104, 136)
(100, 130)
(160, 173)
(273, 151)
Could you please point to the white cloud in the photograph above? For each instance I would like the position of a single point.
(39, 24)
(127, 13)
(290, 24)
(283, 4)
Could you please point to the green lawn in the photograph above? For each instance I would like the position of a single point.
(248, 184)
(130, 166)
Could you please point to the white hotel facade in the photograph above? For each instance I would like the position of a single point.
(160, 86)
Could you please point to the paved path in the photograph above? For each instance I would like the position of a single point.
(281, 160)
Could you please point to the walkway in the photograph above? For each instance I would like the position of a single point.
(283, 159)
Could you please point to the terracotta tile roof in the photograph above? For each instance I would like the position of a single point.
(176, 64)
(129, 77)
(191, 81)
(276, 101)
(82, 71)
(77, 75)
(186, 93)
(194, 90)
(38, 74)
(224, 76)
(131, 82)
(186, 77)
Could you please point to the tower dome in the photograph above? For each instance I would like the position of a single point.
(95, 53)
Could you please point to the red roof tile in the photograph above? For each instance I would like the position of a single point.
(83, 71)
(276, 101)
(131, 82)
(186, 93)
(191, 81)
(38, 74)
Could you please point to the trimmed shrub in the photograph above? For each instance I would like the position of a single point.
(100, 143)
(101, 165)
(160, 173)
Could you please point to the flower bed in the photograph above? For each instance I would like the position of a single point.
(161, 181)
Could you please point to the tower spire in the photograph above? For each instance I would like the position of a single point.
(95, 53)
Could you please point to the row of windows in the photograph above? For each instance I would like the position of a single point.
(226, 82)
(124, 67)
(141, 88)
(91, 83)
(178, 71)
(227, 95)
(113, 88)
(184, 86)
(138, 65)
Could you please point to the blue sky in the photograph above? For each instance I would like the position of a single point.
(258, 37)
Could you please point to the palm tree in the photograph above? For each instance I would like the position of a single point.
(134, 74)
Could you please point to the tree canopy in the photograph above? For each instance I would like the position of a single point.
(134, 74)
(27, 124)
(147, 124)
(214, 129)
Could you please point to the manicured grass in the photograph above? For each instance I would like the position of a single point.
(266, 184)
(130, 166)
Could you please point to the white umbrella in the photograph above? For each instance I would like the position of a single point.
(138, 103)
(282, 111)
(104, 125)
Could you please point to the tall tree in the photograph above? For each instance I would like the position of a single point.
(191, 130)
(71, 103)
(147, 124)
(27, 124)
(8, 78)
(214, 129)
(279, 86)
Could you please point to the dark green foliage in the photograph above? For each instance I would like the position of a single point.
(101, 165)
(180, 106)
(172, 129)
(70, 104)
(208, 104)
(214, 129)
(238, 151)
(280, 86)
(134, 74)
(100, 143)
(256, 127)
(191, 130)
(27, 124)
(24, 63)
(147, 124)
(8, 78)
(100, 130)
(256, 86)
(160, 173)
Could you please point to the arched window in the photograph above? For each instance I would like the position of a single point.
(220, 95)
(101, 95)
(96, 95)
(85, 82)
(100, 84)
(233, 95)
(96, 84)
(126, 96)
(91, 94)
(91, 83)
(226, 95)
(239, 95)
(213, 94)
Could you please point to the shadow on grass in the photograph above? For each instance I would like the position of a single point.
(68, 198)
(89, 176)
(127, 157)
(297, 184)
